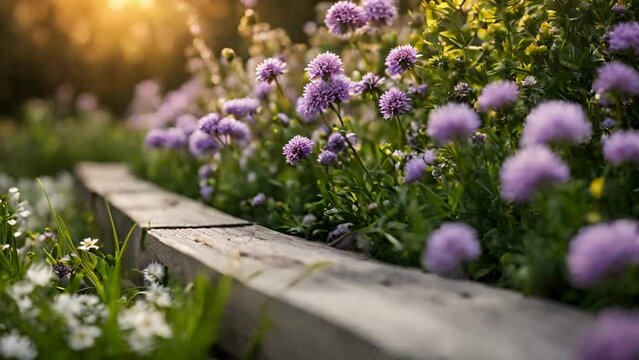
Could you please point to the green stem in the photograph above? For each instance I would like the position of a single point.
(350, 145)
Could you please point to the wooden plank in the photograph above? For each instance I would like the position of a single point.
(323, 303)
(355, 308)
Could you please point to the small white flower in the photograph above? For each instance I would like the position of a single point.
(12, 222)
(83, 337)
(145, 323)
(17, 234)
(14, 346)
(154, 272)
(40, 274)
(158, 295)
(5, 247)
(88, 244)
(24, 214)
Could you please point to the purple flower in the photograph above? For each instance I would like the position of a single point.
(206, 191)
(393, 103)
(62, 270)
(449, 246)
(556, 121)
(262, 90)
(336, 142)
(208, 123)
(608, 123)
(344, 17)
(622, 147)
(451, 122)
(624, 37)
(614, 336)
(297, 148)
(498, 94)
(461, 89)
(269, 69)
(340, 231)
(188, 123)
(415, 169)
(400, 59)
(619, 9)
(327, 158)
(201, 143)
(241, 108)
(602, 249)
(258, 200)
(380, 12)
(325, 66)
(370, 83)
(525, 172)
(616, 77)
(204, 172)
(319, 95)
(418, 89)
(231, 129)
(529, 81)
(171, 138)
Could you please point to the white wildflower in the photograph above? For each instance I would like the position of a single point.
(12, 222)
(145, 323)
(14, 346)
(40, 274)
(158, 295)
(88, 244)
(83, 337)
(5, 247)
(154, 272)
(79, 309)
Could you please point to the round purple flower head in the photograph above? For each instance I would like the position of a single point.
(155, 138)
(449, 246)
(370, 83)
(616, 77)
(206, 191)
(231, 129)
(393, 103)
(307, 114)
(451, 122)
(415, 168)
(344, 17)
(262, 90)
(400, 59)
(327, 158)
(614, 336)
(241, 108)
(324, 66)
(624, 37)
(380, 12)
(622, 147)
(298, 148)
(498, 94)
(461, 89)
(556, 121)
(201, 143)
(204, 172)
(187, 122)
(269, 69)
(62, 270)
(525, 172)
(336, 142)
(208, 123)
(258, 200)
(171, 138)
(608, 123)
(319, 95)
(602, 249)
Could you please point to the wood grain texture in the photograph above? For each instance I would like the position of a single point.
(356, 308)
(323, 303)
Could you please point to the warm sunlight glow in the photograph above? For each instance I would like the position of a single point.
(120, 4)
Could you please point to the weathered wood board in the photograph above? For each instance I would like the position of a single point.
(323, 303)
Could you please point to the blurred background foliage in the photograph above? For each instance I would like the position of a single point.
(58, 48)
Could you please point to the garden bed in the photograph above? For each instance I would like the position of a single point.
(302, 299)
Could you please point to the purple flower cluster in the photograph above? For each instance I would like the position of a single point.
(370, 83)
(622, 147)
(187, 122)
(525, 172)
(344, 17)
(393, 103)
(241, 108)
(616, 78)
(319, 95)
(451, 122)
(170, 138)
(327, 158)
(325, 66)
(297, 148)
(258, 200)
(498, 94)
(449, 246)
(400, 59)
(624, 37)
(614, 336)
(380, 12)
(201, 143)
(415, 168)
(268, 70)
(602, 249)
(336, 142)
(61, 270)
(225, 128)
(556, 121)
